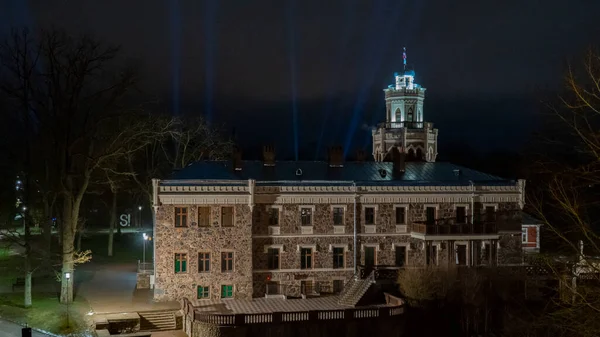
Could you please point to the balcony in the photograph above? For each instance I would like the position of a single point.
(454, 229)
(381, 272)
(400, 125)
(485, 224)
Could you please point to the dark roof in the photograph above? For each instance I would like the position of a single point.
(363, 173)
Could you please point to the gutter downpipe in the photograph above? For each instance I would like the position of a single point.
(155, 205)
(471, 248)
(355, 239)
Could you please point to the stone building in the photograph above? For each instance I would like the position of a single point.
(243, 229)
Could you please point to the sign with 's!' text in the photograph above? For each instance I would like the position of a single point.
(125, 220)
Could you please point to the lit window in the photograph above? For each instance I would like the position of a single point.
(180, 216)
(180, 263)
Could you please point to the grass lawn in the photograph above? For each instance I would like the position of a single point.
(46, 313)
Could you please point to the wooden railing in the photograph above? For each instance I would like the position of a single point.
(380, 272)
(454, 229)
(298, 316)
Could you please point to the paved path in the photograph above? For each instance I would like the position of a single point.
(10, 329)
(110, 288)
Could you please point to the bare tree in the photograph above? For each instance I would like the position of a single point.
(567, 198)
(185, 140)
(79, 104)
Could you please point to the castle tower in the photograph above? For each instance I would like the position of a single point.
(405, 125)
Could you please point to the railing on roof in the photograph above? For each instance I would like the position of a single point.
(298, 316)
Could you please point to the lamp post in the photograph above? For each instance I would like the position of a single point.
(139, 216)
(146, 238)
(68, 277)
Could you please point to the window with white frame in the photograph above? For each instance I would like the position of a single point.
(524, 235)
(306, 216)
(461, 214)
(400, 215)
(369, 215)
(274, 216)
(338, 216)
(306, 258)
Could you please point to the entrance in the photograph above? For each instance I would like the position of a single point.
(370, 256)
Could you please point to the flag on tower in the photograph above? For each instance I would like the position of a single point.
(404, 57)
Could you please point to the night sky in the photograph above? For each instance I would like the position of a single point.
(252, 65)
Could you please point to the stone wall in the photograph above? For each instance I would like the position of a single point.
(193, 239)
(250, 236)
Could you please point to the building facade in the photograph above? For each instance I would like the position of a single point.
(219, 236)
(244, 229)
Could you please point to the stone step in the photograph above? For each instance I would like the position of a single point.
(157, 321)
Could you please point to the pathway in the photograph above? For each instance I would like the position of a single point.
(110, 288)
(10, 329)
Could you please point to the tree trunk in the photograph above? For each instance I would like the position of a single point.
(112, 222)
(47, 226)
(68, 250)
(79, 235)
(28, 275)
(66, 287)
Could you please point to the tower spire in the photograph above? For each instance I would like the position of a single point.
(404, 58)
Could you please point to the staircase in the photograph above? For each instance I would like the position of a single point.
(157, 321)
(355, 289)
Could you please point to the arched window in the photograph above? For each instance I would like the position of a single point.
(398, 115)
(419, 154)
(409, 115)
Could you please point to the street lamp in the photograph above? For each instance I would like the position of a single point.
(139, 216)
(146, 238)
(68, 277)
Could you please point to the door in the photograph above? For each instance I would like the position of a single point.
(461, 255)
(370, 256)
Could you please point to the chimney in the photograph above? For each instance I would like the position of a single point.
(361, 155)
(268, 155)
(336, 156)
(237, 159)
(399, 158)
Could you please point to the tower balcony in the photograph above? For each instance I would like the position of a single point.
(408, 125)
(404, 92)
